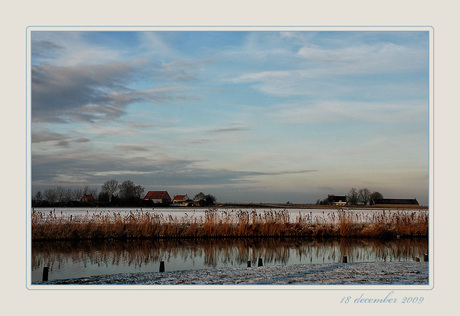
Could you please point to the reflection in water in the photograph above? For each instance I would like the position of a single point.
(73, 259)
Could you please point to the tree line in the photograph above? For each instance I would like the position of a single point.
(355, 197)
(112, 193)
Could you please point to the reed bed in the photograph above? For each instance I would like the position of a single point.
(225, 224)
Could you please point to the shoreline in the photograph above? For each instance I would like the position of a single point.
(360, 273)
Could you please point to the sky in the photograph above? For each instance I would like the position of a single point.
(247, 116)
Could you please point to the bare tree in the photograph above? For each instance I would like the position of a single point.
(38, 197)
(68, 195)
(364, 196)
(77, 194)
(199, 197)
(86, 190)
(130, 191)
(50, 195)
(60, 192)
(352, 197)
(110, 187)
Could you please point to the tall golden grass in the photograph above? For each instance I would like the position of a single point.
(241, 223)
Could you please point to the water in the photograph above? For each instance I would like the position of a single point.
(75, 259)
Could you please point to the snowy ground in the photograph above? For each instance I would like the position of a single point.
(375, 273)
(179, 213)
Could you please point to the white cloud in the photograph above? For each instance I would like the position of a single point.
(366, 59)
(152, 44)
(326, 71)
(73, 49)
(336, 111)
(120, 173)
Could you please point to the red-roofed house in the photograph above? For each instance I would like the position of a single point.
(179, 198)
(88, 198)
(158, 196)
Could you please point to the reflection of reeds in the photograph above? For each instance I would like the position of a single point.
(229, 224)
(233, 252)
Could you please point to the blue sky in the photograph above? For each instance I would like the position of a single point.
(248, 116)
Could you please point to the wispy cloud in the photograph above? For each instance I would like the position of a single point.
(229, 129)
(46, 138)
(320, 69)
(44, 49)
(69, 49)
(152, 44)
(278, 173)
(84, 92)
(92, 92)
(98, 167)
(350, 111)
(132, 148)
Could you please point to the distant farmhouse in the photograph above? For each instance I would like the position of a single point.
(180, 198)
(395, 202)
(339, 200)
(183, 200)
(88, 198)
(159, 197)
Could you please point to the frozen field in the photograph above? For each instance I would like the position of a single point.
(180, 213)
(374, 273)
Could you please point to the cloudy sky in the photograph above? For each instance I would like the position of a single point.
(248, 116)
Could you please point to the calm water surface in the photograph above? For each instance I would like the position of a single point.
(75, 259)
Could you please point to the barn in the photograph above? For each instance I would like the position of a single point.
(158, 197)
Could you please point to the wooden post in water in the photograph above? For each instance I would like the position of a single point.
(249, 263)
(162, 266)
(345, 259)
(259, 264)
(45, 274)
(417, 259)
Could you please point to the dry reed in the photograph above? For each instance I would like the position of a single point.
(242, 223)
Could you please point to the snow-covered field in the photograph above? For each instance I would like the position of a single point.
(179, 213)
(371, 273)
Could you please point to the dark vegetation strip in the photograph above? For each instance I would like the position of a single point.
(225, 224)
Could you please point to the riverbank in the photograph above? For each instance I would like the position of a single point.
(369, 273)
(215, 223)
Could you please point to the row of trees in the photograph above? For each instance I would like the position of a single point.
(62, 195)
(112, 193)
(355, 197)
(362, 196)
